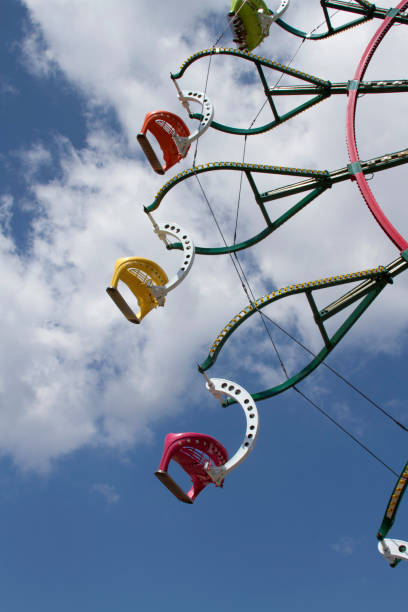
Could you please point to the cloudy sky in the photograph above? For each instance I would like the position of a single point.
(87, 398)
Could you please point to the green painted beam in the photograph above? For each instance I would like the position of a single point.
(258, 198)
(234, 166)
(317, 181)
(373, 282)
(315, 177)
(367, 10)
(366, 87)
(376, 164)
(327, 34)
(393, 504)
(371, 87)
(250, 57)
(267, 91)
(321, 356)
(318, 319)
(279, 294)
(279, 119)
(271, 227)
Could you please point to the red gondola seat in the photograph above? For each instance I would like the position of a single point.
(163, 125)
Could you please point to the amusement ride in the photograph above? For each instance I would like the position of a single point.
(201, 456)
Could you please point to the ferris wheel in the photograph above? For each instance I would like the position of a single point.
(205, 459)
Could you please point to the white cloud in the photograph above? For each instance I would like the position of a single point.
(344, 546)
(7, 88)
(345, 415)
(73, 371)
(107, 491)
(34, 159)
(37, 57)
(6, 205)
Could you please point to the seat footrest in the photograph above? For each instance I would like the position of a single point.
(172, 486)
(150, 154)
(122, 304)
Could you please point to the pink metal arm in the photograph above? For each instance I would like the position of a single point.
(365, 190)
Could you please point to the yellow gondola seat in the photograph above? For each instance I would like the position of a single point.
(141, 276)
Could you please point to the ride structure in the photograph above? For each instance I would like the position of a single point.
(366, 10)
(202, 457)
(146, 279)
(394, 551)
(166, 128)
(171, 132)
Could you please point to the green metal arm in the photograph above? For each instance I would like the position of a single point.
(315, 182)
(250, 57)
(394, 502)
(367, 10)
(364, 87)
(373, 282)
(369, 87)
(319, 88)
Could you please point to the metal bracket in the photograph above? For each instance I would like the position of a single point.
(393, 550)
(219, 387)
(175, 231)
(353, 85)
(265, 20)
(185, 96)
(355, 167)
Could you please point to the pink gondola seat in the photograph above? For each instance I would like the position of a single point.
(192, 451)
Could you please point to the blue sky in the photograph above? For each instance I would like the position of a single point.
(86, 399)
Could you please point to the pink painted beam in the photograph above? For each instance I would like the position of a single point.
(365, 190)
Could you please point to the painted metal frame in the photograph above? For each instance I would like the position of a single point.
(310, 85)
(206, 116)
(395, 237)
(364, 294)
(176, 232)
(153, 285)
(393, 550)
(367, 10)
(314, 183)
(220, 387)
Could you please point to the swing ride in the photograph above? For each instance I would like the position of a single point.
(201, 456)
